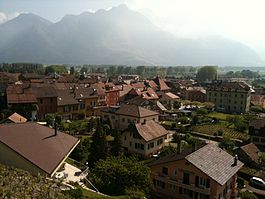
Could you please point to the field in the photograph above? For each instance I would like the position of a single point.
(211, 129)
(90, 194)
(220, 116)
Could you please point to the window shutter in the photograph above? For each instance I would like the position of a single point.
(208, 183)
(197, 181)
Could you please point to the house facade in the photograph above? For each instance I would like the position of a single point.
(257, 132)
(230, 97)
(145, 139)
(208, 173)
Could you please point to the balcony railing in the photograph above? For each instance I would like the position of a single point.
(179, 182)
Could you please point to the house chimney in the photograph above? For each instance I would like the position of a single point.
(55, 129)
(235, 160)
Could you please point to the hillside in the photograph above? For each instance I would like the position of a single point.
(116, 36)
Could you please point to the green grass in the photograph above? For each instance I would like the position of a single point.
(211, 129)
(90, 194)
(220, 116)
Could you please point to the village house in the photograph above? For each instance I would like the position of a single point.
(230, 97)
(257, 132)
(145, 138)
(121, 116)
(88, 100)
(46, 96)
(208, 172)
(22, 100)
(67, 105)
(250, 155)
(168, 99)
(195, 94)
(34, 148)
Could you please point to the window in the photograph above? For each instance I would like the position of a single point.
(41, 101)
(159, 142)
(235, 95)
(151, 145)
(82, 105)
(165, 170)
(51, 100)
(130, 144)
(123, 119)
(255, 139)
(125, 138)
(186, 178)
(139, 146)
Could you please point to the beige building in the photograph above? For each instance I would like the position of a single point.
(34, 148)
(230, 97)
(121, 116)
(144, 138)
(205, 173)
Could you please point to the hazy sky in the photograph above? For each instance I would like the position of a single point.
(242, 20)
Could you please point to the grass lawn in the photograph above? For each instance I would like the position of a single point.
(220, 116)
(90, 194)
(211, 129)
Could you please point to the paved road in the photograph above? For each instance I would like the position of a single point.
(254, 190)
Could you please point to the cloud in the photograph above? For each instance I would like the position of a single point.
(6, 17)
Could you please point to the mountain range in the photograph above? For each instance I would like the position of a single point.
(115, 36)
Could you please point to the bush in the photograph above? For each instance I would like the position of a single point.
(202, 111)
(248, 195)
(134, 193)
(74, 193)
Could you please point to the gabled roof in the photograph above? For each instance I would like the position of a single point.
(134, 111)
(22, 93)
(38, 144)
(44, 90)
(150, 130)
(161, 83)
(215, 163)
(85, 93)
(252, 151)
(16, 118)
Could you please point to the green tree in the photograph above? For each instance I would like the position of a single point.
(115, 175)
(99, 146)
(207, 74)
(116, 144)
(167, 150)
(248, 195)
(227, 143)
(72, 70)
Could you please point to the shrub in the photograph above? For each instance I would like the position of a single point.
(248, 195)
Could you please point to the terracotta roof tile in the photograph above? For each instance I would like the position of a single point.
(16, 118)
(135, 111)
(252, 151)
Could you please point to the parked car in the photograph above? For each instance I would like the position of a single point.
(257, 183)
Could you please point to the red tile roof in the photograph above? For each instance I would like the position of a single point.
(134, 111)
(252, 151)
(16, 118)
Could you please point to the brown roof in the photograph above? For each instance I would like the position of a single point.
(85, 93)
(44, 90)
(65, 98)
(150, 130)
(230, 86)
(252, 151)
(16, 118)
(257, 124)
(17, 94)
(38, 144)
(215, 162)
(134, 111)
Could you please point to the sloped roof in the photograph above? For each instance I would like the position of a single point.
(134, 111)
(65, 98)
(215, 162)
(252, 151)
(38, 144)
(16, 118)
(171, 95)
(161, 83)
(21, 93)
(150, 130)
(45, 90)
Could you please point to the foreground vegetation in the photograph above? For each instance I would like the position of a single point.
(15, 183)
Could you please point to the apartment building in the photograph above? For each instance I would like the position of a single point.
(205, 173)
(230, 97)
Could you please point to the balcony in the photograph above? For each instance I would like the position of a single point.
(178, 182)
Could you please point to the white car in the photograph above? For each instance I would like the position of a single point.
(257, 182)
